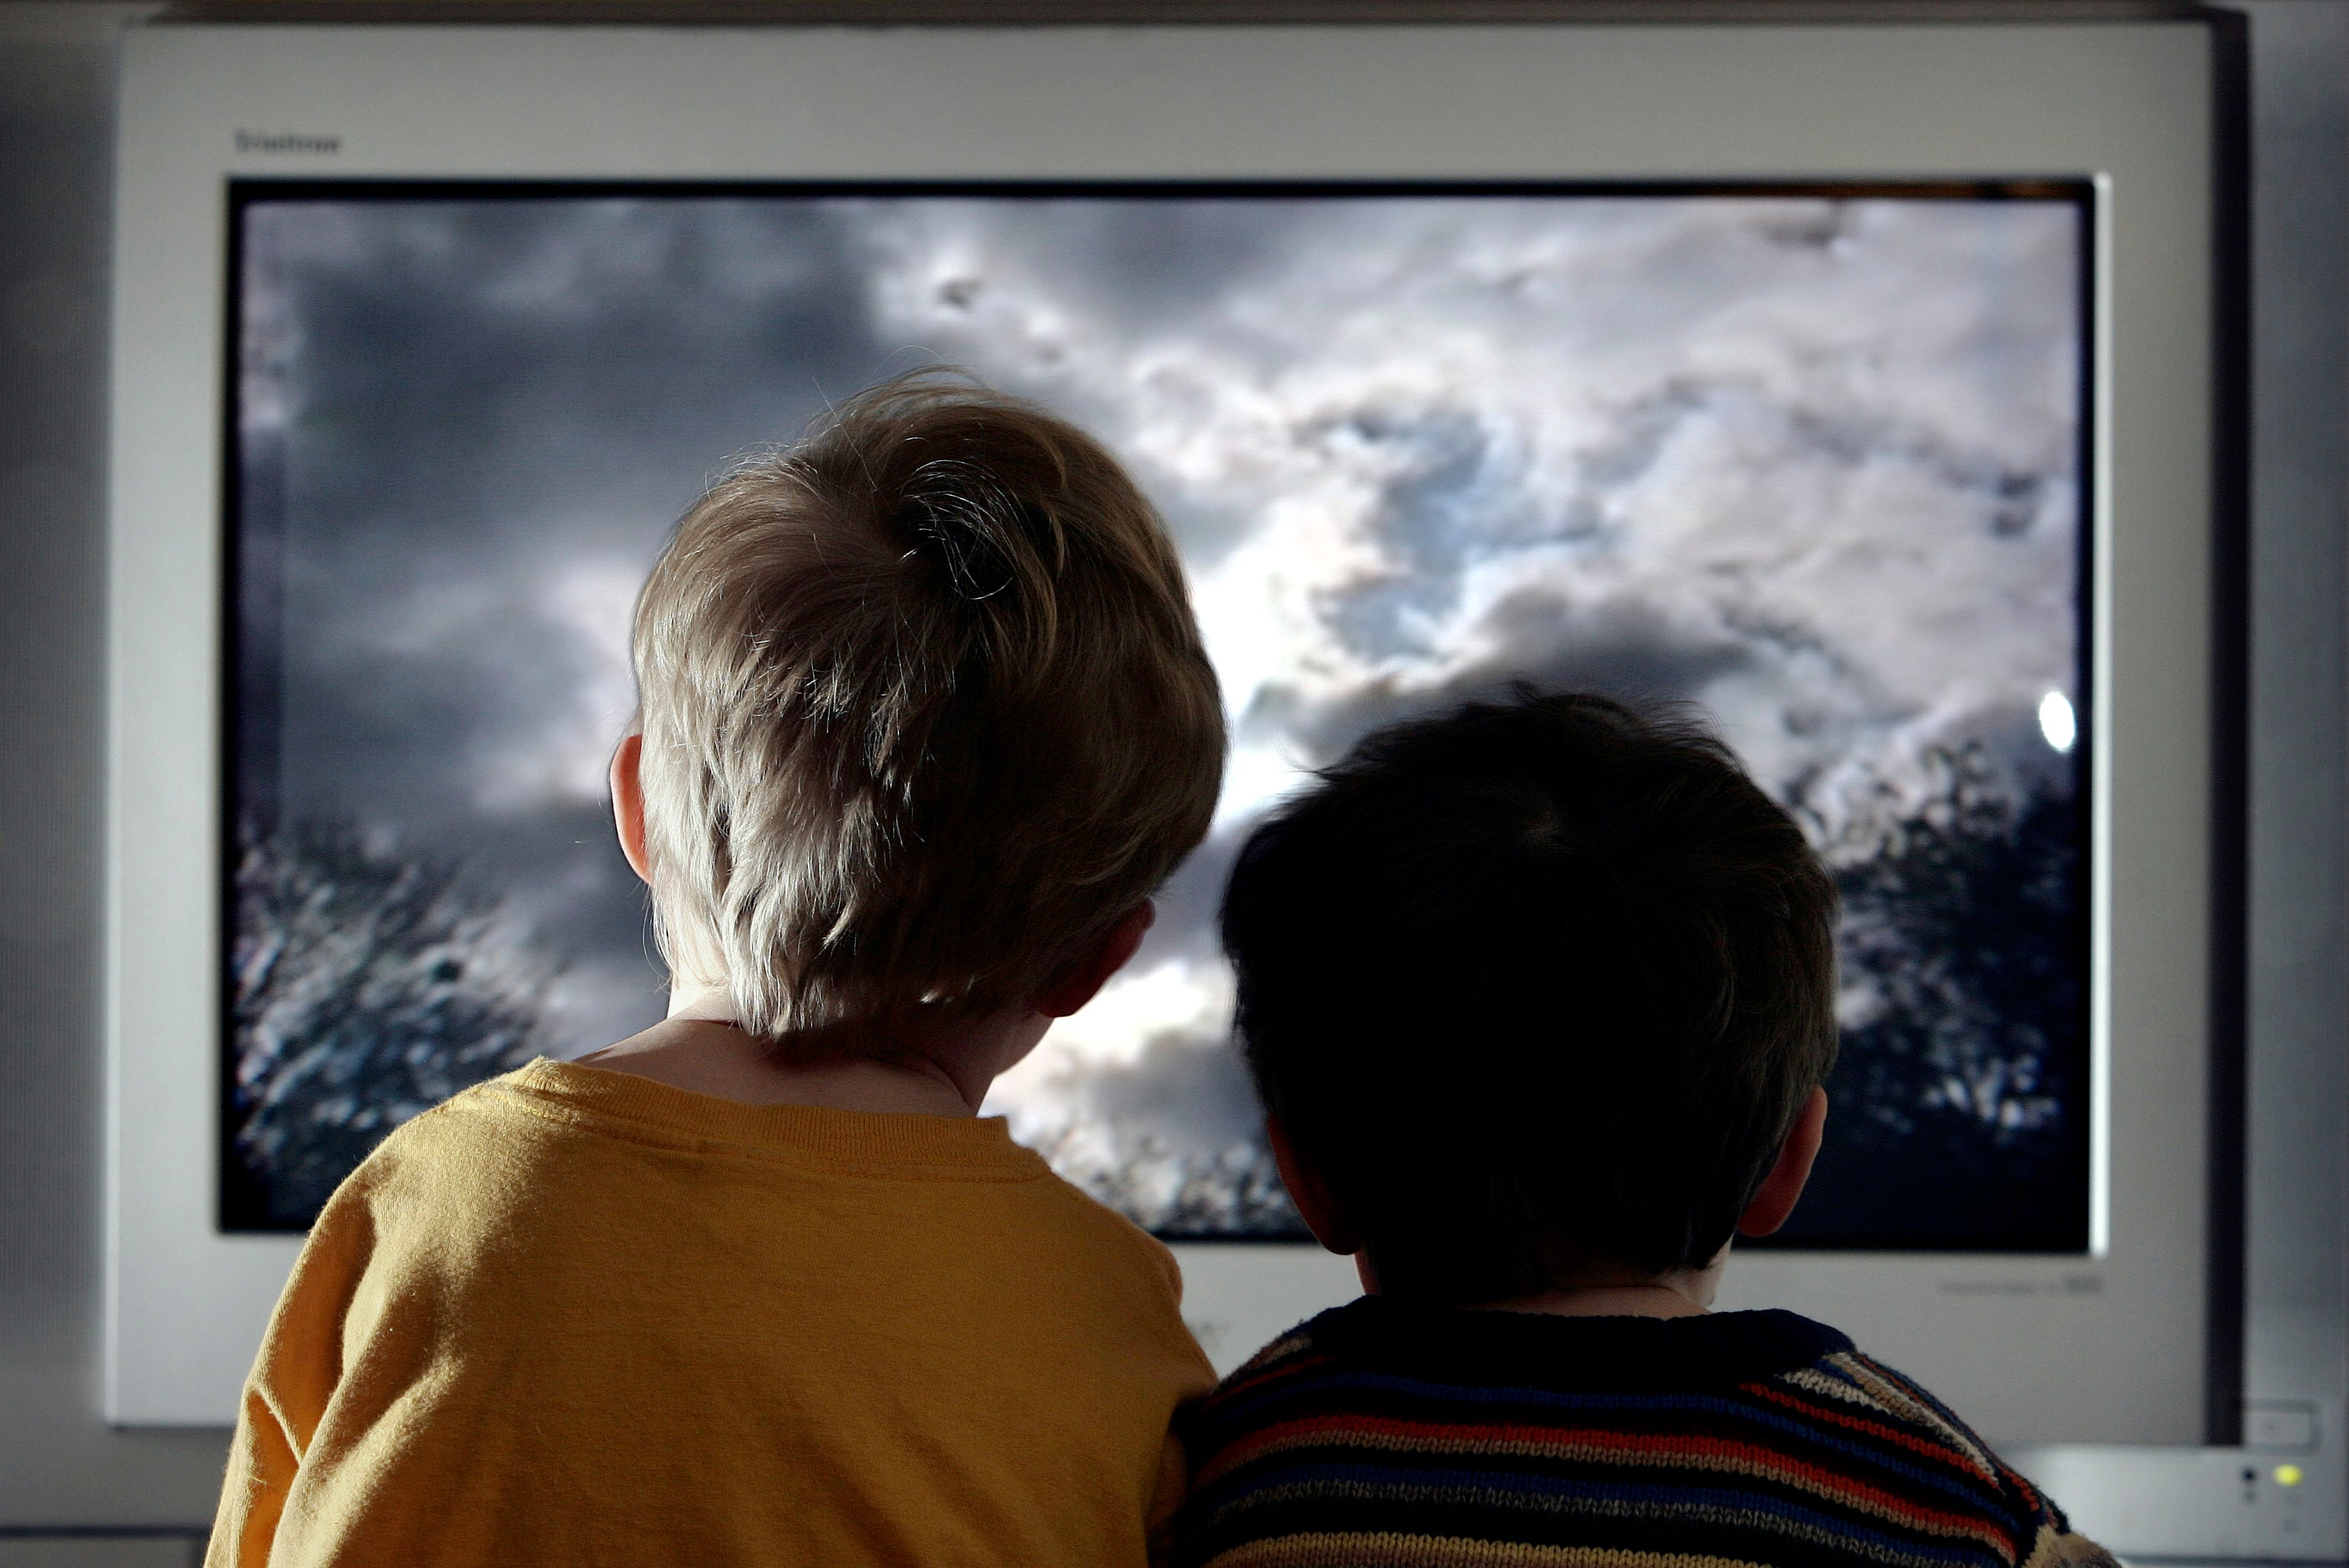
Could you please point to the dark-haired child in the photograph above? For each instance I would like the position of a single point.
(1539, 997)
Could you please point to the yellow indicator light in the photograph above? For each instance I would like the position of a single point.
(2287, 1475)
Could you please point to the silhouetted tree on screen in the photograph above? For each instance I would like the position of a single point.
(1956, 1098)
(1181, 1192)
(367, 986)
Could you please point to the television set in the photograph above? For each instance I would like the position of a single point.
(1856, 382)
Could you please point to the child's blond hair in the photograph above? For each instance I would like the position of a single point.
(925, 711)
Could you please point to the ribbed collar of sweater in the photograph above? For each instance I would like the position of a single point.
(1527, 1349)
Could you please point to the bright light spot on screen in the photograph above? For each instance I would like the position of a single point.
(2056, 721)
(2288, 1475)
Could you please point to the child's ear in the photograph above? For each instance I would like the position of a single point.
(1783, 1188)
(1076, 988)
(628, 803)
(1315, 1202)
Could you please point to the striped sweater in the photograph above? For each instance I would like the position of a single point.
(1425, 1437)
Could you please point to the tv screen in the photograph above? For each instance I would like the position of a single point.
(1809, 457)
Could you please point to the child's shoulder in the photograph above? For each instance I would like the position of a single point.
(1852, 1399)
(1850, 1395)
(1767, 1415)
(479, 1116)
(490, 1152)
(1097, 1239)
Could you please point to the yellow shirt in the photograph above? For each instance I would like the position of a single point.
(581, 1317)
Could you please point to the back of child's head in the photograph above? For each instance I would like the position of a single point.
(925, 711)
(1535, 986)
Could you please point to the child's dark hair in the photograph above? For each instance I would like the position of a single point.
(1534, 985)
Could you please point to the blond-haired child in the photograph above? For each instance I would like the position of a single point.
(924, 719)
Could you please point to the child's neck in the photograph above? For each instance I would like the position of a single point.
(926, 1067)
(1675, 1295)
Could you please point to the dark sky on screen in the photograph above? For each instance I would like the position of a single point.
(1809, 463)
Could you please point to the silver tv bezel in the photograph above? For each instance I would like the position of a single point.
(2109, 1344)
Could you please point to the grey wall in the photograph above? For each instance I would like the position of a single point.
(2298, 1153)
(74, 1492)
(59, 1465)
